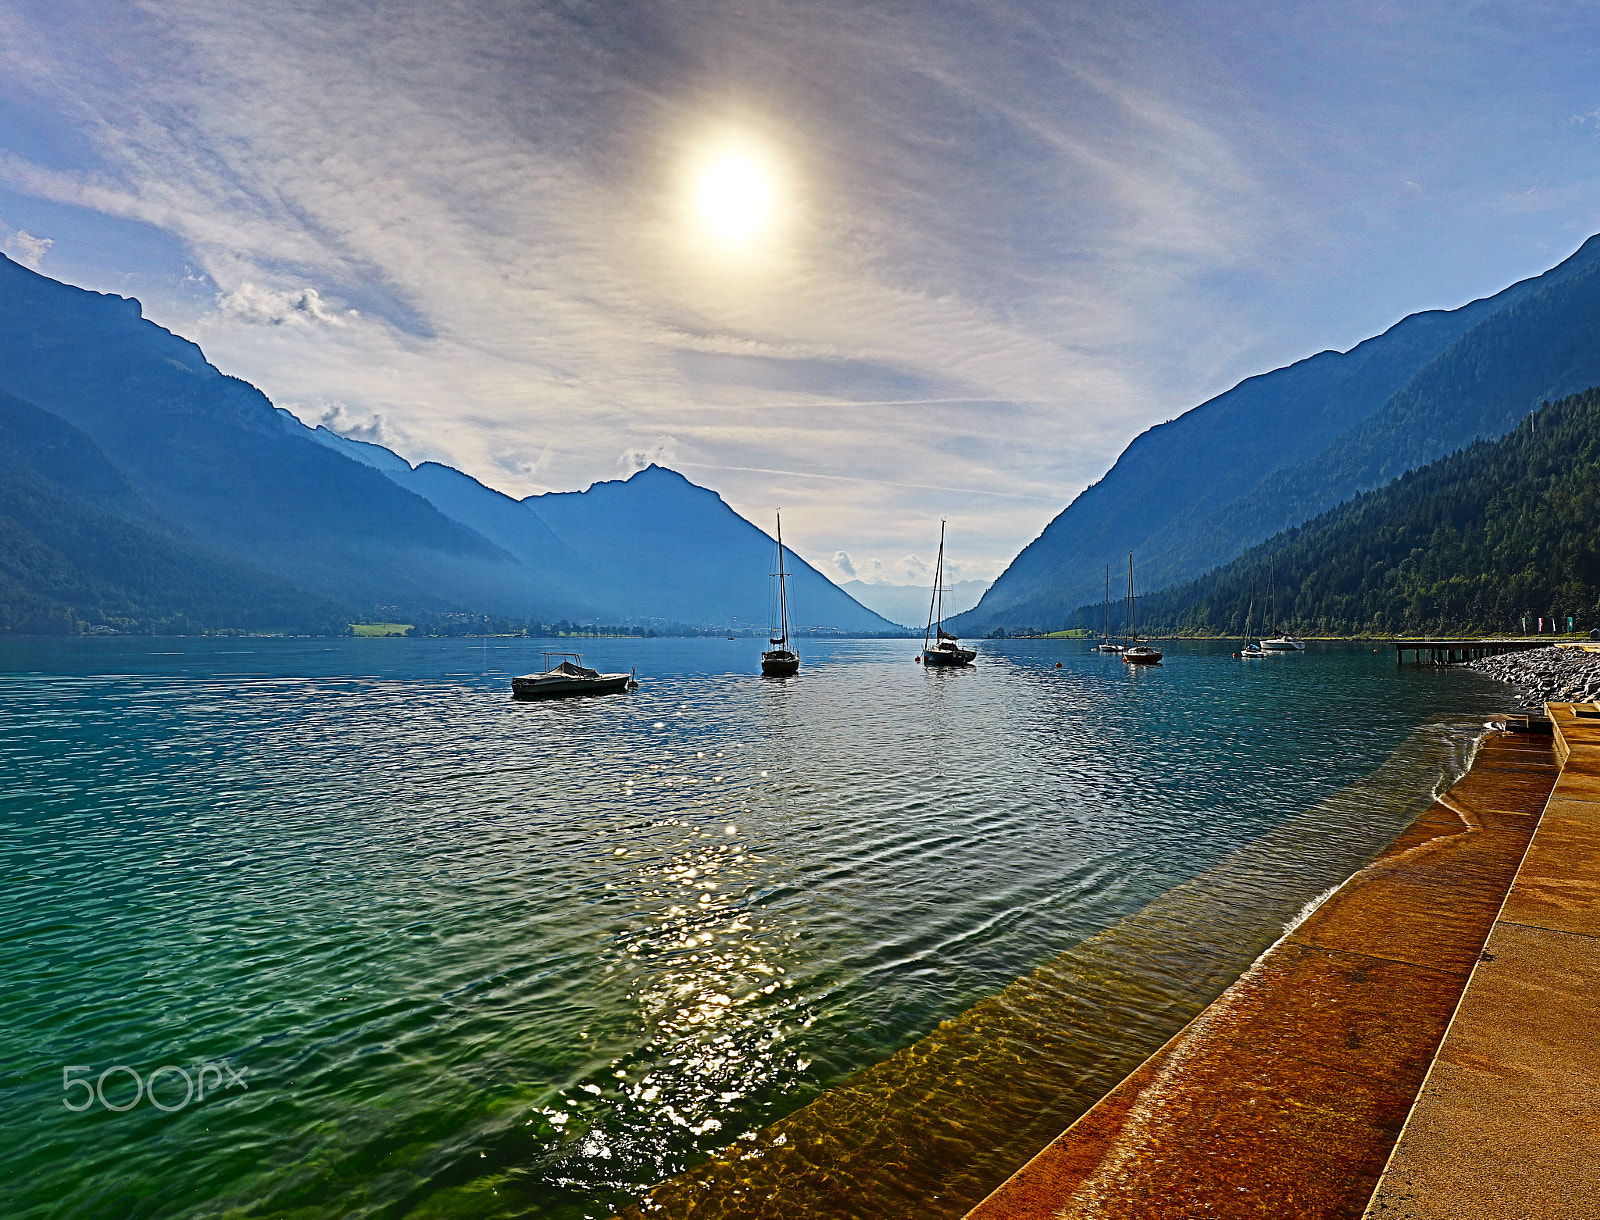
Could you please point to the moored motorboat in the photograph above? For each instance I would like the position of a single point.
(568, 677)
(945, 649)
(1142, 654)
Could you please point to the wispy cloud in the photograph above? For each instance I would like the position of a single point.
(26, 248)
(463, 225)
(258, 306)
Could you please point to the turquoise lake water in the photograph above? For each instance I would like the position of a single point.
(431, 952)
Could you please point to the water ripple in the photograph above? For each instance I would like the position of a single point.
(478, 958)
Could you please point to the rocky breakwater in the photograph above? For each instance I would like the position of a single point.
(1546, 675)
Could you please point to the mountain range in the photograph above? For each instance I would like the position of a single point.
(259, 522)
(143, 489)
(1493, 537)
(79, 547)
(1282, 447)
(908, 604)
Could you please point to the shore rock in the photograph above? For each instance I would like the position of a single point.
(1546, 675)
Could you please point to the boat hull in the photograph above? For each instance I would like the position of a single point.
(779, 664)
(536, 686)
(1142, 656)
(948, 657)
(1283, 644)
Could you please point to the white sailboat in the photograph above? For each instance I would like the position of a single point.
(945, 649)
(781, 661)
(1250, 649)
(1107, 644)
(1283, 642)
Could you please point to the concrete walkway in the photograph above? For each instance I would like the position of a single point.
(1508, 1123)
(1285, 1097)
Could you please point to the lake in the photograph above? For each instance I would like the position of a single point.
(430, 952)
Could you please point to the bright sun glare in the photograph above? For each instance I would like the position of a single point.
(735, 198)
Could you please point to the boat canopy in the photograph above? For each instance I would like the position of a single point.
(945, 635)
(574, 671)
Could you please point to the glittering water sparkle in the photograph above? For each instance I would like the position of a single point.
(480, 958)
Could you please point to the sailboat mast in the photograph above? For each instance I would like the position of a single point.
(933, 601)
(783, 591)
(1133, 626)
(1105, 627)
(938, 582)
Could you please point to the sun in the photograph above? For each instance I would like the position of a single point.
(734, 198)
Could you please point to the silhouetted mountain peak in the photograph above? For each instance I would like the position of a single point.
(347, 518)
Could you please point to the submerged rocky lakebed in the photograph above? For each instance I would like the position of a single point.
(475, 958)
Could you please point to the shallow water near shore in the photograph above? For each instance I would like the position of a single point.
(477, 958)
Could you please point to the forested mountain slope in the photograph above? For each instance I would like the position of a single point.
(1473, 542)
(79, 550)
(1538, 349)
(216, 470)
(1286, 445)
(208, 452)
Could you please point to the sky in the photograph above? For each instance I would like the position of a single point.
(875, 264)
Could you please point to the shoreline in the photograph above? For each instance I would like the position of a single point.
(1294, 1085)
(933, 1129)
(1545, 675)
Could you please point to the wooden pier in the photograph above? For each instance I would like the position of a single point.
(1455, 652)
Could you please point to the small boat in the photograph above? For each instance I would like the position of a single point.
(780, 661)
(1284, 642)
(1107, 644)
(1249, 650)
(1136, 653)
(946, 649)
(568, 677)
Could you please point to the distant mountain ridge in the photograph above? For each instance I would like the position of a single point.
(80, 549)
(251, 498)
(1476, 541)
(1284, 446)
(652, 546)
(908, 604)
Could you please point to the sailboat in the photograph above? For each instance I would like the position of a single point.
(946, 649)
(1250, 649)
(1284, 642)
(1136, 653)
(1106, 644)
(781, 661)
